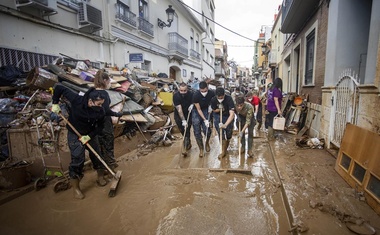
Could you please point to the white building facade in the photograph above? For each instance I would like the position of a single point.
(122, 33)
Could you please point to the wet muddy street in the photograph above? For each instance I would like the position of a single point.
(282, 189)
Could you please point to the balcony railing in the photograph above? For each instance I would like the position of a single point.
(195, 54)
(128, 17)
(272, 57)
(178, 45)
(219, 70)
(145, 26)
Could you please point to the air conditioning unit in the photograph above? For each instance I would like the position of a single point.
(89, 18)
(48, 7)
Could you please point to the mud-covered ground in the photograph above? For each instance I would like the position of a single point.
(163, 193)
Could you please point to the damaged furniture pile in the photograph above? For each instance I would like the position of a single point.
(299, 116)
(145, 100)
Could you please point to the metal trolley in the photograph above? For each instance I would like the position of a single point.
(47, 141)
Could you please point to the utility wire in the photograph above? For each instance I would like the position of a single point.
(217, 22)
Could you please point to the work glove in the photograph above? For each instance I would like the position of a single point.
(55, 108)
(119, 114)
(207, 123)
(255, 114)
(184, 123)
(190, 107)
(221, 125)
(209, 109)
(220, 106)
(84, 139)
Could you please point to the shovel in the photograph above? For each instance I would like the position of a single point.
(116, 176)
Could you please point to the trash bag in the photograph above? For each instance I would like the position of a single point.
(9, 75)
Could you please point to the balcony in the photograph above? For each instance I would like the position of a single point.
(127, 17)
(177, 46)
(295, 13)
(219, 71)
(272, 58)
(145, 27)
(195, 55)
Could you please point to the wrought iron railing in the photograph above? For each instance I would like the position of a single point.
(128, 17)
(145, 26)
(178, 43)
(23, 59)
(195, 54)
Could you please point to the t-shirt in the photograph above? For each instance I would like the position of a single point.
(275, 92)
(185, 101)
(203, 101)
(246, 111)
(228, 104)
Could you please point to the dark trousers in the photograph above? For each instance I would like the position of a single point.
(181, 128)
(269, 119)
(77, 150)
(106, 142)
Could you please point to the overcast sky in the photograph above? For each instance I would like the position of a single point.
(245, 17)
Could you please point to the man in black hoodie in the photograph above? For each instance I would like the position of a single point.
(87, 116)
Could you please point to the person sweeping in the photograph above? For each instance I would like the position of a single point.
(246, 119)
(223, 110)
(86, 114)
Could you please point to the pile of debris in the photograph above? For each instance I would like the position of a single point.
(145, 99)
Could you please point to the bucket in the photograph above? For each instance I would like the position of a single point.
(14, 176)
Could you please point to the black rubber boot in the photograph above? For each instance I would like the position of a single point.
(76, 189)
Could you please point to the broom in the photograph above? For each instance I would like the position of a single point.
(116, 176)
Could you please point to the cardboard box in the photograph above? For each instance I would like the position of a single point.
(41, 79)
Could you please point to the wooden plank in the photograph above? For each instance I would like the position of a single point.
(138, 117)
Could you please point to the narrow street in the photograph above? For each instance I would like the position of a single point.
(163, 193)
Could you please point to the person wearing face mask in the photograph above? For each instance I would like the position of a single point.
(183, 101)
(253, 98)
(201, 116)
(86, 114)
(223, 104)
(106, 139)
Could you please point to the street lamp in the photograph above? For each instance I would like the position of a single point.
(170, 14)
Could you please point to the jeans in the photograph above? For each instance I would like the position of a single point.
(199, 125)
(77, 150)
(181, 128)
(226, 133)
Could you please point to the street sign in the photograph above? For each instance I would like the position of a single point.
(136, 58)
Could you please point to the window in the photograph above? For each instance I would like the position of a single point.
(143, 9)
(207, 55)
(197, 44)
(192, 39)
(123, 13)
(310, 43)
(211, 35)
(211, 59)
